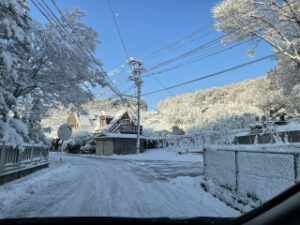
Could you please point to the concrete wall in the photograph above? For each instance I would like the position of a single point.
(118, 146)
(127, 146)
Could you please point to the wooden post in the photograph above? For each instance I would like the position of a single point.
(236, 171)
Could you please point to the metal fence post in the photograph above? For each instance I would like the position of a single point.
(3, 152)
(204, 163)
(236, 171)
(41, 154)
(31, 153)
(47, 156)
(19, 157)
(296, 162)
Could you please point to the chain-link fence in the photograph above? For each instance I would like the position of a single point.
(260, 174)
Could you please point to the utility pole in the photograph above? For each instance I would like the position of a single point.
(136, 72)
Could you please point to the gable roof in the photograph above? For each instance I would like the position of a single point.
(114, 124)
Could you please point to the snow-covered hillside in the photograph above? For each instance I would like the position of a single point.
(234, 106)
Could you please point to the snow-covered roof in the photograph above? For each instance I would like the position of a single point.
(109, 128)
(116, 135)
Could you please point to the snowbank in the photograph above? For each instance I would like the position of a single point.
(164, 154)
(23, 188)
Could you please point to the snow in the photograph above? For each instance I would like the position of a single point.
(165, 154)
(289, 127)
(7, 59)
(117, 135)
(10, 135)
(241, 203)
(81, 186)
(275, 148)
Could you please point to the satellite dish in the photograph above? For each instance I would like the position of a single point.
(64, 131)
(175, 130)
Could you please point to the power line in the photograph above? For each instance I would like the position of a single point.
(109, 82)
(186, 54)
(165, 48)
(216, 50)
(175, 45)
(179, 42)
(118, 29)
(123, 44)
(170, 93)
(211, 75)
(195, 59)
(122, 41)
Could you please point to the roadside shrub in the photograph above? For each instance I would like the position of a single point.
(82, 141)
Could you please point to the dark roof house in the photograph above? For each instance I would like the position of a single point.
(119, 135)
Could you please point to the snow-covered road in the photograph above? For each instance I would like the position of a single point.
(83, 186)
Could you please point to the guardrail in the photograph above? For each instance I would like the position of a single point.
(15, 160)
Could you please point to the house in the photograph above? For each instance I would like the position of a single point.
(123, 123)
(121, 144)
(105, 126)
(97, 123)
(119, 135)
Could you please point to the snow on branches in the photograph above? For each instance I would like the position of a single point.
(276, 22)
(43, 65)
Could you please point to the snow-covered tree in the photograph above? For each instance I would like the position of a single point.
(276, 22)
(14, 46)
(44, 65)
(59, 69)
(234, 105)
(285, 75)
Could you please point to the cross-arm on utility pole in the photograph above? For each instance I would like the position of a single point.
(136, 77)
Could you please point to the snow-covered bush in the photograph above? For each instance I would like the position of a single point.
(82, 142)
(13, 132)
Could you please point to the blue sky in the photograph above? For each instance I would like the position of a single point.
(148, 25)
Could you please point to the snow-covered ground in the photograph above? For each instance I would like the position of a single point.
(83, 186)
(166, 154)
